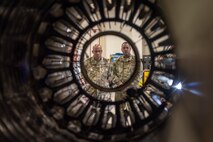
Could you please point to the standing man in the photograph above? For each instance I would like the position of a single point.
(97, 69)
(123, 68)
(125, 64)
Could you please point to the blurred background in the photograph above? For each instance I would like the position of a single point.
(191, 25)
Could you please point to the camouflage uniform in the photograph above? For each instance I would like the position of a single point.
(98, 72)
(123, 68)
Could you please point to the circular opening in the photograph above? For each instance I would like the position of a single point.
(109, 64)
(107, 76)
(104, 81)
(87, 108)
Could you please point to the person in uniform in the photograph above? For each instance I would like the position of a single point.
(125, 64)
(98, 69)
(123, 68)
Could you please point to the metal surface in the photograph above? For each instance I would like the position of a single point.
(24, 117)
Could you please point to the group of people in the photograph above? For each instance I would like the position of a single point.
(108, 75)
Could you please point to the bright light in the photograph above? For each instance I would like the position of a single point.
(157, 99)
(178, 86)
(68, 30)
(170, 81)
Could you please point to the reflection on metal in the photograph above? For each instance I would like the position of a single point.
(127, 116)
(109, 118)
(77, 17)
(163, 79)
(56, 61)
(142, 112)
(70, 107)
(78, 106)
(59, 44)
(65, 94)
(166, 61)
(65, 29)
(179, 86)
(92, 116)
(58, 78)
